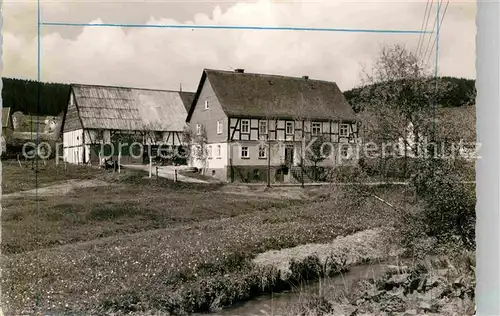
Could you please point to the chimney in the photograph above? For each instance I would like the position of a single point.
(239, 70)
(305, 77)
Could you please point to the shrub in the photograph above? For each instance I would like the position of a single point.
(448, 213)
(347, 174)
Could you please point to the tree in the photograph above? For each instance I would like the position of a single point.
(449, 203)
(399, 93)
(197, 144)
(317, 153)
(148, 133)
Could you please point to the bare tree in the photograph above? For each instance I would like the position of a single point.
(197, 145)
(149, 133)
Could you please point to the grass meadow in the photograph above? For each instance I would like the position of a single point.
(142, 244)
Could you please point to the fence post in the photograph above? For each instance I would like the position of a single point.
(175, 175)
(156, 172)
(150, 166)
(231, 169)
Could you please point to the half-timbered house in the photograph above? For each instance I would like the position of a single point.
(257, 124)
(102, 114)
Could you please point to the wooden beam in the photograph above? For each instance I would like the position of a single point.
(234, 128)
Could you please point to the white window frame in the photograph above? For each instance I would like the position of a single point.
(346, 126)
(262, 149)
(218, 151)
(344, 149)
(209, 151)
(247, 125)
(247, 152)
(315, 125)
(263, 128)
(219, 127)
(198, 129)
(287, 124)
(206, 105)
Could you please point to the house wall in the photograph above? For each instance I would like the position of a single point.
(171, 138)
(216, 166)
(71, 119)
(7, 132)
(234, 154)
(277, 130)
(73, 146)
(209, 118)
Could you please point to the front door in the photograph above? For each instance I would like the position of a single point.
(289, 155)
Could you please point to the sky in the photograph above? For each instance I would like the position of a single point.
(161, 58)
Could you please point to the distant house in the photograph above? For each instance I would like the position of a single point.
(102, 114)
(7, 127)
(454, 126)
(239, 114)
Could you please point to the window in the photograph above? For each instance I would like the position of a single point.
(209, 152)
(219, 127)
(262, 152)
(198, 129)
(263, 127)
(316, 128)
(289, 128)
(206, 105)
(217, 151)
(344, 151)
(344, 130)
(244, 152)
(245, 126)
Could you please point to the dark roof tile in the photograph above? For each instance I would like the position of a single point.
(261, 95)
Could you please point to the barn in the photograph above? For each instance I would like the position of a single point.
(103, 114)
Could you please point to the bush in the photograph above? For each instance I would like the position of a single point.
(347, 174)
(448, 212)
(397, 168)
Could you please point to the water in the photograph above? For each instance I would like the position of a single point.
(268, 305)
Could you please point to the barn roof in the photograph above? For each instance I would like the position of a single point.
(122, 108)
(187, 99)
(261, 95)
(5, 116)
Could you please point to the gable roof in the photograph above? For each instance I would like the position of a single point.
(187, 99)
(122, 108)
(5, 117)
(261, 95)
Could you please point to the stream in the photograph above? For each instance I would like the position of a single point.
(267, 305)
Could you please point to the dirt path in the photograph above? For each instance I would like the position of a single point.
(58, 189)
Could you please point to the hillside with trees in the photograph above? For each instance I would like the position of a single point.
(22, 95)
(452, 92)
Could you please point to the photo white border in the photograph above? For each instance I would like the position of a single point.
(487, 294)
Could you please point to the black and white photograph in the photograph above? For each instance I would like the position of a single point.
(238, 158)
